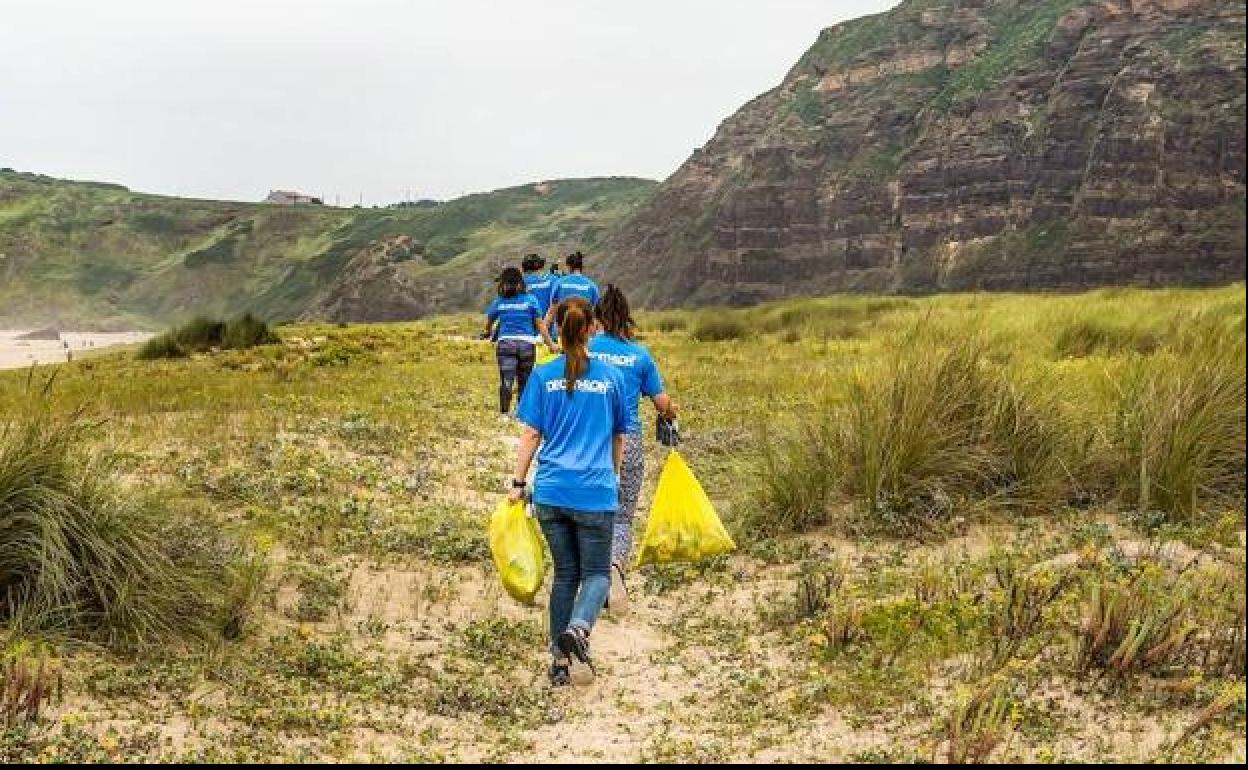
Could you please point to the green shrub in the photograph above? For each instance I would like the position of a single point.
(79, 559)
(245, 332)
(161, 346)
(202, 334)
(719, 326)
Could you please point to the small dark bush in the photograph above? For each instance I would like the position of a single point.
(201, 334)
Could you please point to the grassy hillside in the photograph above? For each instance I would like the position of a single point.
(83, 252)
(971, 528)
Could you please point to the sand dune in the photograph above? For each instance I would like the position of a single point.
(16, 353)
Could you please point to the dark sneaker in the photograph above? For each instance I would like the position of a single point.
(617, 596)
(559, 673)
(574, 643)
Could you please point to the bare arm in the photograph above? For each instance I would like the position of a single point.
(489, 326)
(545, 330)
(529, 441)
(617, 452)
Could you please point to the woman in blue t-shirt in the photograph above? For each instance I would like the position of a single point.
(574, 411)
(514, 318)
(616, 346)
(538, 281)
(574, 284)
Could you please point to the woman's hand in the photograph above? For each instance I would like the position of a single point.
(515, 495)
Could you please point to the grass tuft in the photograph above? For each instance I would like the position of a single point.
(80, 560)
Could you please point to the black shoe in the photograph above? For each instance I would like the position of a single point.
(559, 674)
(574, 643)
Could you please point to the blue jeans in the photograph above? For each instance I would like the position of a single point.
(580, 544)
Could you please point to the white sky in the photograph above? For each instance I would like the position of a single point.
(231, 98)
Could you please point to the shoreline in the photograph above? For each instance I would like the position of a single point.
(68, 346)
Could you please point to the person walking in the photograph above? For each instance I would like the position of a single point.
(539, 281)
(575, 420)
(514, 319)
(614, 344)
(573, 284)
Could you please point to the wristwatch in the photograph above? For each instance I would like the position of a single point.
(516, 484)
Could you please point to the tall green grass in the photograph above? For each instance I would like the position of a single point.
(81, 559)
(932, 432)
(948, 422)
(1179, 435)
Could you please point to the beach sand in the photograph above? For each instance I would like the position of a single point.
(16, 354)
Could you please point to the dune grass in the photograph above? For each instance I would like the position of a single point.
(81, 559)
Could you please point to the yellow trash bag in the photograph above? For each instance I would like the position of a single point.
(683, 525)
(545, 358)
(518, 549)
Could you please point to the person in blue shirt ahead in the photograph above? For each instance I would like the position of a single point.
(574, 284)
(615, 345)
(539, 282)
(514, 318)
(574, 411)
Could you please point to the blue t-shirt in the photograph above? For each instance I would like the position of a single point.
(574, 464)
(575, 285)
(516, 317)
(541, 285)
(641, 374)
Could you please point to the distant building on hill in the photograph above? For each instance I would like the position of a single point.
(288, 197)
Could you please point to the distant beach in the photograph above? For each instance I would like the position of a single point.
(17, 353)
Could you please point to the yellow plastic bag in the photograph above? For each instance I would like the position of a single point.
(546, 357)
(683, 525)
(518, 550)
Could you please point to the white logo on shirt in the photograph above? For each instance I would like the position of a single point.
(514, 306)
(600, 387)
(616, 360)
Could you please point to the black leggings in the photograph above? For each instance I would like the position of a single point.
(515, 362)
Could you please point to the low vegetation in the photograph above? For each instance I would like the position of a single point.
(957, 542)
(200, 335)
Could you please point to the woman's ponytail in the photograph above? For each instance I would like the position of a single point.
(575, 319)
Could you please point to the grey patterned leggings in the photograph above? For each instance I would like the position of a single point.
(632, 474)
(515, 363)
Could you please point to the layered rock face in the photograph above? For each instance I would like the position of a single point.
(994, 144)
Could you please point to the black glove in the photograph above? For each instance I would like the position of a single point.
(667, 431)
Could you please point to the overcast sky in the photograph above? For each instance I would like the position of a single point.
(231, 98)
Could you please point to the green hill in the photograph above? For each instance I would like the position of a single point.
(80, 253)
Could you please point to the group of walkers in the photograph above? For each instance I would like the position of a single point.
(581, 418)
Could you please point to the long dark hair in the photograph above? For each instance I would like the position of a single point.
(575, 318)
(613, 313)
(510, 283)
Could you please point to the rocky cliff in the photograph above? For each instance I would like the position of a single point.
(961, 144)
